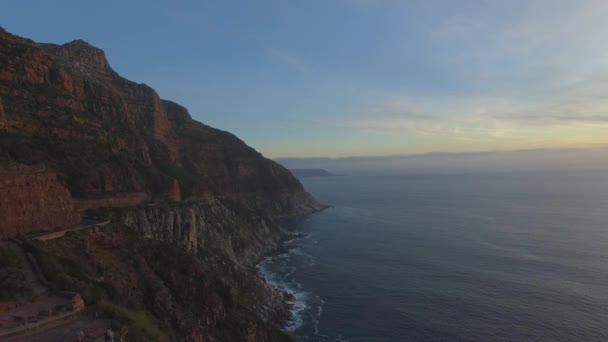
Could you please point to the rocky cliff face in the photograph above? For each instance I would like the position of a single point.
(129, 155)
(34, 200)
(65, 107)
(120, 145)
(241, 229)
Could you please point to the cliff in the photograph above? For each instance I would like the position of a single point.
(34, 200)
(63, 106)
(126, 154)
(116, 141)
(242, 229)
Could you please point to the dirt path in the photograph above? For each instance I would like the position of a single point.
(86, 223)
(45, 315)
(93, 329)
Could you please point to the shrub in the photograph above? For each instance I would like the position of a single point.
(14, 283)
(10, 258)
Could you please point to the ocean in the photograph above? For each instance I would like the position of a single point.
(436, 257)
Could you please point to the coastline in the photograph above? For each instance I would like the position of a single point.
(284, 298)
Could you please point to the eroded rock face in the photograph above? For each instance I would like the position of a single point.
(174, 194)
(1, 111)
(34, 201)
(3, 126)
(243, 229)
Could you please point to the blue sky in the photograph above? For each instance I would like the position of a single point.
(357, 77)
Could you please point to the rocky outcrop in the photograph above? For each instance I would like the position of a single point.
(117, 200)
(34, 201)
(174, 194)
(242, 229)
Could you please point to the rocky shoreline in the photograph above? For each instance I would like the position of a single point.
(196, 226)
(281, 299)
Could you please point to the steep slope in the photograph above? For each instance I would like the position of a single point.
(157, 292)
(127, 155)
(64, 106)
(34, 200)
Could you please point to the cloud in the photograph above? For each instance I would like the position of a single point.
(575, 109)
(462, 75)
(582, 118)
(522, 46)
(454, 126)
(548, 118)
(398, 107)
(579, 101)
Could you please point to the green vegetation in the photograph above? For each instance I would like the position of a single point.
(13, 277)
(6, 162)
(156, 291)
(66, 275)
(10, 258)
(140, 324)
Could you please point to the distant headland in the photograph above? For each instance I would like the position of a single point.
(301, 173)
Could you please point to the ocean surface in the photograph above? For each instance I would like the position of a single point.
(473, 257)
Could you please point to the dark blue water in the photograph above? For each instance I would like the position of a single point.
(511, 257)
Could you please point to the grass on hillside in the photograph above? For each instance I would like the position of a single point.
(154, 290)
(66, 275)
(141, 325)
(13, 277)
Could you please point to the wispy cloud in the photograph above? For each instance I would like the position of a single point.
(503, 47)
(569, 110)
(502, 74)
(592, 119)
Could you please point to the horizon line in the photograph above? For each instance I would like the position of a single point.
(440, 153)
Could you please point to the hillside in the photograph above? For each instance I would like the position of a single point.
(76, 136)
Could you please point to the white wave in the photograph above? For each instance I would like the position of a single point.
(300, 305)
(317, 317)
(278, 271)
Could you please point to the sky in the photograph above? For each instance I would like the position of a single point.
(336, 78)
(545, 160)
